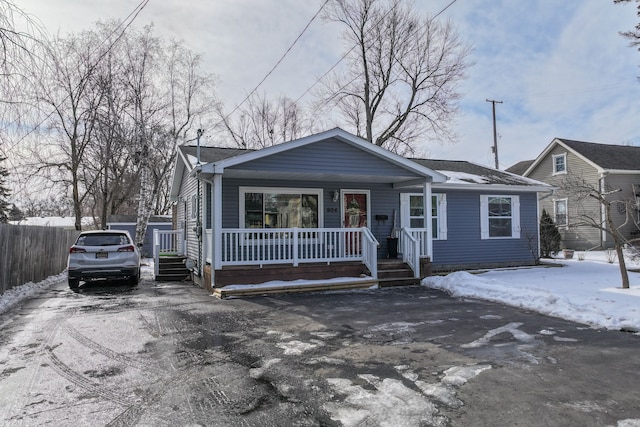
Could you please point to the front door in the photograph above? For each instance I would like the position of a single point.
(355, 214)
(355, 208)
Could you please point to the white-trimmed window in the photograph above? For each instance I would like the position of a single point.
(413, 214)
(194, 206)
(262, 207)
(559, 163)
(560, 212)
(500, 217)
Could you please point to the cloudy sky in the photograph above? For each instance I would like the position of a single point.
(559, 66)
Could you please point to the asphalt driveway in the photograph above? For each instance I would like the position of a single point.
(170, 354)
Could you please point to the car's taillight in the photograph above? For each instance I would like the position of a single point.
(73, 250)
(129, 248)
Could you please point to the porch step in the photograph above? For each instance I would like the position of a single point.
(392, 272)
(309, 286)
(172, 269)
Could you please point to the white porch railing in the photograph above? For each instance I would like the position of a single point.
(252, 246)
(166, 242)
(420, 234)
(410, 249)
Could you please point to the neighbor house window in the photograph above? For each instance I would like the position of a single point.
(560, 209)
(280, 207)
(559, 164)
(438, 214)
(499, 217)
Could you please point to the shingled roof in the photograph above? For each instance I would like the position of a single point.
(457, 171)
(466, 172)
(612, 157)
(521, 167)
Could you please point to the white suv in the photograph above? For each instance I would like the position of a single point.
(103, 254)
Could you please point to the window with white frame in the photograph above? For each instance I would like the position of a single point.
(499, 217)
(194, 206)
(414, 214)
(280, 207)
(560, 210)
(559, 163)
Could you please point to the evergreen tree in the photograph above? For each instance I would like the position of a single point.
(15, 214)
(4, 193)
(549, 236)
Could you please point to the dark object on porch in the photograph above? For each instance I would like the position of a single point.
(172, 269)
(392, 247)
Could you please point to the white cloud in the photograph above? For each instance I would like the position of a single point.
(561, 68)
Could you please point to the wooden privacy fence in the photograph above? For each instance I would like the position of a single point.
(31, 253)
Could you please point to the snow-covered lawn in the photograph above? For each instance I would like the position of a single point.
(587, 291)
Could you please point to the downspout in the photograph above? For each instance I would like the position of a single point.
(426, 197)
(603, 213)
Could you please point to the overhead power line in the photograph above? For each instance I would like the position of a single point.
(277, 63)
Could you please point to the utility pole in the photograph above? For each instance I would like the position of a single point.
(495, 134)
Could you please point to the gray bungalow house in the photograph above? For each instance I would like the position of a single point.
(332, 205)
(601, 166)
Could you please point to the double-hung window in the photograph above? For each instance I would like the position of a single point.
(499, 217)
(280, 207)
(559, 163)
(560, 210)
(414, 214)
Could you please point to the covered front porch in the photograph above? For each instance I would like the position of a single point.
(308, 257)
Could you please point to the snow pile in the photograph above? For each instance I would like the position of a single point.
(14, 295)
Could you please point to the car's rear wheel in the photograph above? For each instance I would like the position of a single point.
(134, 280)
(74, 283)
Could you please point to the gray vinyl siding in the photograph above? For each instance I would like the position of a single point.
(464, 248)
(582, 237)
(185, 220)
(627, 183)
(331, 157)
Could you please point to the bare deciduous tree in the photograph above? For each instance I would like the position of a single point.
(68, 102)
(601, 215)
(402, 80)
(261, 122)
(632, 35)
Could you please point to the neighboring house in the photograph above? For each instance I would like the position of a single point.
(602, 166)
(333, 198)
(128, 222)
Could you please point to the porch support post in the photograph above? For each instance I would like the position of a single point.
(426, 193)
(216, 226)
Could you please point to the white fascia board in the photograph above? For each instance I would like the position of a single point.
(558, 141)
(620, 171)
(495, 187)
(541, 156)
(178, 170)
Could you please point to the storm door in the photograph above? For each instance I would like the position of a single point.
(355, 214)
